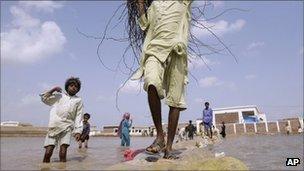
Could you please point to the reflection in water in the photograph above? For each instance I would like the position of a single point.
(258, 152)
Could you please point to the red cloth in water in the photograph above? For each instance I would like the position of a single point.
(130, 154)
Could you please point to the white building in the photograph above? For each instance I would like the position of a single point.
(14, 123)
(236, 114)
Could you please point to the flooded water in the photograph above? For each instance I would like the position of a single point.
(264, 152)
(258, 152)
(27, 152)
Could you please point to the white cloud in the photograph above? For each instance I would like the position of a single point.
(254, 45)
(196, 62)
(219, 28)
(30, 99)
(29, 39)
(250, 77)
(215, 82)
(209, 82)
(132, 86)
(45, 6)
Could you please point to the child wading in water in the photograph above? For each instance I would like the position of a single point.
(84, 138)
(65, 118)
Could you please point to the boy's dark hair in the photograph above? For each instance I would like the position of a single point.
(190, 121)
(206, 103)
(72, 80)
(86, 114)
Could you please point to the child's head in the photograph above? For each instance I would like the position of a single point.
(207, 104)
(72, 86)
(86, 117)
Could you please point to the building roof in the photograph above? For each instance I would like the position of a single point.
(238, 107)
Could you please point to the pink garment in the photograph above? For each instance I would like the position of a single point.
(130, 154)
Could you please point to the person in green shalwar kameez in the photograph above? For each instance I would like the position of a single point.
(163, 64)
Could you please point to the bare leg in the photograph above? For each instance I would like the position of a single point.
(48, 153)
(63, 152)
(211, 133)
(172, 125)
(86, 143)
(155, 108)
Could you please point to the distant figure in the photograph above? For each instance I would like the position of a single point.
(144, 133)
(84, 138)
(181, 134)
(215, 130)
(223, 131)
(300, 130)
(123, 130)
(207, 119)
(65, 118)
(191, 130)
(151, 133)
(288, 129)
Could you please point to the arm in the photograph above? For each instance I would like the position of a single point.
(89, 129)
(143, 21)
(141, 7)
(78, 126)
(48, 97)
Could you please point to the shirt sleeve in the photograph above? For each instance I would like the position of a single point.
(143, 22)
(48, 98)
(78, 126)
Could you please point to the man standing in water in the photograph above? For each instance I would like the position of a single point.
(163, 64)
(207, 119)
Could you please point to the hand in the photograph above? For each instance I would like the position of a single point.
(141, 7)
(77, 136)
(58, 89)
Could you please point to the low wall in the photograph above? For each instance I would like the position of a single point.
(261, 128)
(239, 128)
(12, 131)
(272, 127)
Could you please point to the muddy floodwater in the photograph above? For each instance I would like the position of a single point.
(258, 152)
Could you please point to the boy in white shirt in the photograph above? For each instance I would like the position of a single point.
(65, 118)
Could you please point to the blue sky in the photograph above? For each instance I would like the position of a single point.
(40, 48)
